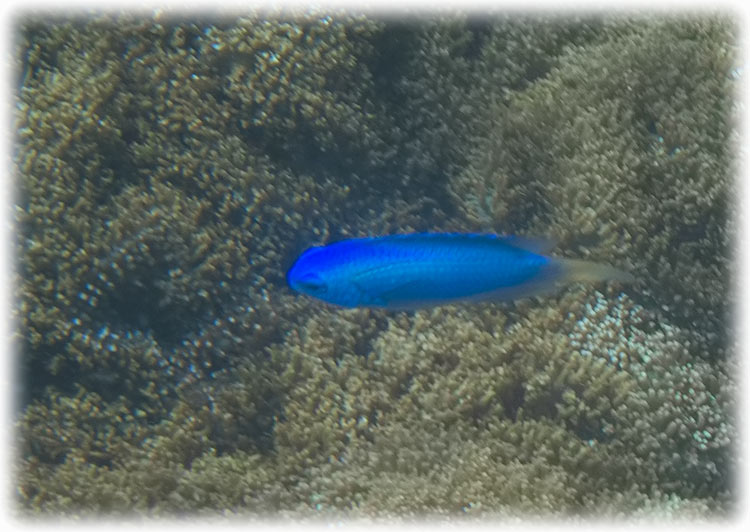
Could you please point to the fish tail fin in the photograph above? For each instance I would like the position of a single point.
(574, 270)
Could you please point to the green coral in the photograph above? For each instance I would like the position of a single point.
(170, 170)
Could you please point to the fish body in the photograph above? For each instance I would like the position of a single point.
(426, 269)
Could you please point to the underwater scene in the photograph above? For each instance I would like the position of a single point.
(183, 349)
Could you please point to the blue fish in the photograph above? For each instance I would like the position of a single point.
(420, 270)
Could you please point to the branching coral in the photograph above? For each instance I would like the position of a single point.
(623, 153)
(132, 221)
(457, 410)
(169, 172)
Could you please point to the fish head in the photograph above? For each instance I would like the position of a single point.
(316, 273)
(306, 274)
(308, 283)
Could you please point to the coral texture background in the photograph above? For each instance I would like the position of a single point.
(170, 169)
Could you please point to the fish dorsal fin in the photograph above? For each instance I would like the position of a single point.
(533, 244)
(539, 245)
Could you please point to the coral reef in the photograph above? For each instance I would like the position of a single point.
(170, 170)
(624, 153)
(468, 413)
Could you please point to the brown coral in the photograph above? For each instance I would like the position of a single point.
(624, 154)
(170, 170)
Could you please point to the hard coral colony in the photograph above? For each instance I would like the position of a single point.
(169, 171)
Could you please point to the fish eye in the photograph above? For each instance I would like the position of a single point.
(312, 283)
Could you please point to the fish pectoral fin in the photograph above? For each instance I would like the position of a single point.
(399, 289)
(386, 297)
(367, 298)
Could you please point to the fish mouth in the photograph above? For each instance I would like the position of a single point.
(290, 273)
(302, 280)
(288, 276)
(309, 283)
